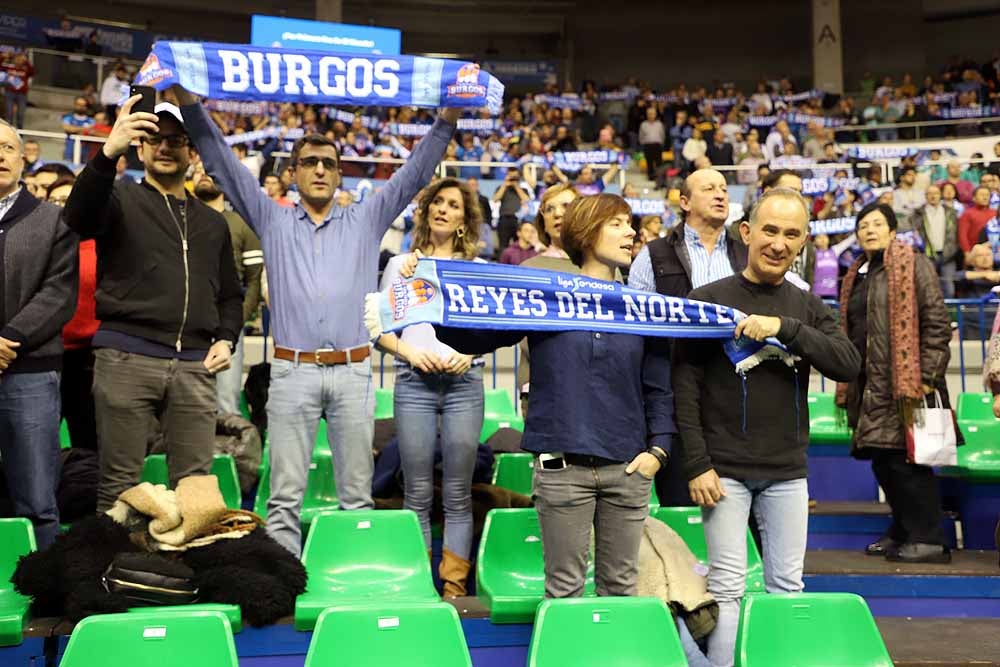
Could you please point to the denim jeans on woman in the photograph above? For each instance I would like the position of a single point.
(426, 404)
(782, 512)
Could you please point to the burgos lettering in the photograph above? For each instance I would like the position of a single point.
(467, 83)
(297, 74)
(406, 294)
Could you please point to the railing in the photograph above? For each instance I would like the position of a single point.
(59, 69)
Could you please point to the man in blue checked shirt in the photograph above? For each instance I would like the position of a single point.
(321, 260)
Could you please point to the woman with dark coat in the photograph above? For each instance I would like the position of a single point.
(892, 310)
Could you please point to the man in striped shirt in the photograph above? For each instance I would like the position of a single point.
(249, 259)
(696, 252)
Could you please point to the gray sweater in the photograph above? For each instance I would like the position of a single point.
(39, 269)
(652, 132)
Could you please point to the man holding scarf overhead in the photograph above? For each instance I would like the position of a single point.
(321, 260)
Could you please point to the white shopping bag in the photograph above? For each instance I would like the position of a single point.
(931, 440)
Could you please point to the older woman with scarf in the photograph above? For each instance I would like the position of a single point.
(892, 310)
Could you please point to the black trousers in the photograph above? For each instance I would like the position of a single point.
(672, 481)
(654, 158)
(76, 391)
(506, 230)
(913, 495)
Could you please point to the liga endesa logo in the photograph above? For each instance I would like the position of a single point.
(467, 82)
(408, 294)
(151, 72)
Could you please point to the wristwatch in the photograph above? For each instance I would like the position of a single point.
(661, 456)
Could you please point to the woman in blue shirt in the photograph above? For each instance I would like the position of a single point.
(600, 418)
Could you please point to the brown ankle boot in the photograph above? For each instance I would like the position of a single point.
(454, 570)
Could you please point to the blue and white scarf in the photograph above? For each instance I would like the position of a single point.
(471, 295)
(263, 74)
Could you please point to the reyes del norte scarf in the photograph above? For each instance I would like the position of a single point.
(265, 74)
(474, 295)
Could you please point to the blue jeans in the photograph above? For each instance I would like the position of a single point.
(298, 396)
(29, 445)
(16, 105)
(229, 383)
(420, 400)
(782, 512)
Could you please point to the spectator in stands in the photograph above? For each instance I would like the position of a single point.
(892, 310)
(48, 174)
(589, 183)
(32, 156)
(963, 188)
(949, 197)
(976, 283)
(38, 266)
(812, 147)
(652, 137)
(322, 358)
(525, 246)
(512, 197)
(276, 190)
(100, 128)
(76, 122)
(248, 258)
(680, 132)
(695, 252)
(113, 90)
(548, 223)
(600, 421)
(487, 249)
(974, 219)
(937, 226)
(694, 148)
(169, 301)
(470, 151)
(76, 381)
(907, 197)
(779, 135)
(751, 453)
(18, 82)
(434, 382)
(720, 152)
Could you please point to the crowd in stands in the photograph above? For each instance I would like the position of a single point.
(130, 299)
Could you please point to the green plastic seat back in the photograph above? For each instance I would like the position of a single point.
(244, 406)
(605, 632)
(411, 634)
(975, 408)
(498, 402)
(17, 538)
(979, 459)
(65, 442)
(498, 413)
(173, 639)
(827, 422)
(384, 404)
(510, 571)
(363, 556)
(808, 630)
(514, 472)
(154, 471)
(686, 522)
(321, 486)
(232, 612)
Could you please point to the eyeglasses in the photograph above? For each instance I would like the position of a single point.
(9, 149)
(173, 140)
(312, 162)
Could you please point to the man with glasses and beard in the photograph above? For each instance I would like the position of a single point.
(249, 259)
(168, 298)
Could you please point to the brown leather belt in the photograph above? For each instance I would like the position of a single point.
(327, 357)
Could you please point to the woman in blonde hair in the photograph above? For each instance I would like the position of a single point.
(434, 382)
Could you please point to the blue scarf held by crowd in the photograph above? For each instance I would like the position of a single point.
(471, 295)
(263, 74)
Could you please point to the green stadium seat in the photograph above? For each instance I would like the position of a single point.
(686, 522)
(827, 422)
(979, 458)
(605, 632)
(975, 408)
(514, 472)
(510, 573)
(151, 639)
(499, 413)
(17, 538)
(363, 557)
(411, 634)
(230, 611)
(154, 470)
(383, 404)
(808, 630)
(65, 442)
(244, 406)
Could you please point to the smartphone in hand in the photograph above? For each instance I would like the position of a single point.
(148, 102)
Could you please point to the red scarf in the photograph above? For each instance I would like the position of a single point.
(904, 327)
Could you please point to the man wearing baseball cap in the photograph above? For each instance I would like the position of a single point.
(168, 298)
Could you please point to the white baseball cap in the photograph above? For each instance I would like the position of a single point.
(171, 110)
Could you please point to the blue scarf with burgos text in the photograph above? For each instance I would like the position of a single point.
(473, 295)
(262, 74)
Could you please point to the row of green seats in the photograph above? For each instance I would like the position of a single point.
(498, 411)
(979, 458)
(805, 630)
(154, 471)
(510, 572)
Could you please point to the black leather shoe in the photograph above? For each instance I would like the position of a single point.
(918, 552)
(883, 546)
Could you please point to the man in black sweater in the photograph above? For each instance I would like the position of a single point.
(168, 298)
(745, 434)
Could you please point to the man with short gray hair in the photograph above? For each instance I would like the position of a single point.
(38, 274)
(751, 453)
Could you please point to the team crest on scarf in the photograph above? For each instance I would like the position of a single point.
(152, 72)
(467, 82)
(407, 294)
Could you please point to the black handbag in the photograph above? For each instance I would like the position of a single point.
(150, 580)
